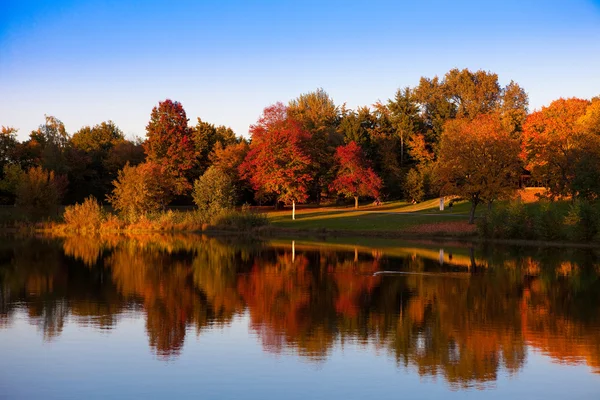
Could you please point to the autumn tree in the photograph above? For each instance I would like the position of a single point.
(278, 163)
(206, 136)
(354, 177)
(479, 160)
(467, 94)
(552, 137)
(319, 117)
(419, 182)
(228, 160)
(169, 140)
(142, 189)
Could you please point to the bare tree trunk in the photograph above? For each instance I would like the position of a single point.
(293, 210)
(356, 202)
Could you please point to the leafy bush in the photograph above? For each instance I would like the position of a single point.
(550, 222)
(85, 217)
(240, 220)
(39, 192)
(213, 192)
(583, 220)
(142, 189)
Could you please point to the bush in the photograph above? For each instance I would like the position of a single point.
(550, 222)
(85, 217)
(583, 220)
(141, 190)
(240, 220)
(213, 192)
(39, 192)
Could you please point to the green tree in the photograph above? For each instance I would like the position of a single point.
(319, 116)
(405, 116)
(213, 192)
(39, 191)
(206, 137)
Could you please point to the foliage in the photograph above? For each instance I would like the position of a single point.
(239, 220)
(12, 175)
(213, 192)
(278, 162)
(551, 137)
(479, 160)
(97, 139)
(85, 217)
(39, 192)
(354, 177)
(584, 221)
(141, 189)
(318, 115)
(8, 146)
(206, 137)
(169, 141)
(542, 221)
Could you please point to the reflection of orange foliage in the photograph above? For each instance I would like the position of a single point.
(462, 326)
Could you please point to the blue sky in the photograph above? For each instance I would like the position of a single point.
(89, 61)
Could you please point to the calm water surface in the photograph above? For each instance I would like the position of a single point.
(191, 316)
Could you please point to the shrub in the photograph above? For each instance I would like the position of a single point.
(414, 186)
(240, 220)
(550, 222)
(142, 189)
(86, 217)
(583, 220)
(213, 192)
(39, 192)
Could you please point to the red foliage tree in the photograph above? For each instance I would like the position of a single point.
(355, 177)
(278, 163)
(169, 139)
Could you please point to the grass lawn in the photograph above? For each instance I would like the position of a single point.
(393, 216)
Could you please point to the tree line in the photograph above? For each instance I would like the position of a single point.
(461, 134)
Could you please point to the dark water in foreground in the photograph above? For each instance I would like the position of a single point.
(189, 316)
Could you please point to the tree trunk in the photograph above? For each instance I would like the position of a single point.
(356, 202)
(472, 212)
(489, 207)
(401, 150)
(293, 210)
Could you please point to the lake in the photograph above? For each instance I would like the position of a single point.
(158, 316)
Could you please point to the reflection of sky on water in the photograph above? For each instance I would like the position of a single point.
(229, 362)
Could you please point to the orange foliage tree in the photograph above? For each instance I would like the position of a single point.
(479, 160)
(551, 139)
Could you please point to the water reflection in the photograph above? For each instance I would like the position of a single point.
(459, 313)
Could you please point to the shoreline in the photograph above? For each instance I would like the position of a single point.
(270, 232)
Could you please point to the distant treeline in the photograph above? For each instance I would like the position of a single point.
(462, 134)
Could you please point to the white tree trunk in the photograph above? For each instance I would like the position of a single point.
(293, 210)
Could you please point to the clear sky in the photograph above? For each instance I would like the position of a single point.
(89, 61)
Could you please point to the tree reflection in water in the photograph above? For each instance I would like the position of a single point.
(460, 314)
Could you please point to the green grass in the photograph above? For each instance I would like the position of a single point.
(382, 218)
